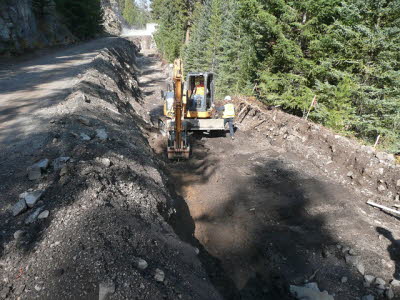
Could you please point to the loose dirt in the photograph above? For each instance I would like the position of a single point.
(278, 206)
(283, 204)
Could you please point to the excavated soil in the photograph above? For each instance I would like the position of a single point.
(285, 204)
(282, 204)
(108, 203)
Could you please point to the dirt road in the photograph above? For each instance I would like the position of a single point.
(30, 89)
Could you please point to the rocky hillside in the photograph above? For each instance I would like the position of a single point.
(21, 29)
(113, 21)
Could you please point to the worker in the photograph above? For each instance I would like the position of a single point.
(229, 114)
(198, 97)
(199, 89)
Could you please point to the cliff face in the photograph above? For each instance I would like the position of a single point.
(113, 20)
(22, 29)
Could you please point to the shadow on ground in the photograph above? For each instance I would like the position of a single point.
(258, 234)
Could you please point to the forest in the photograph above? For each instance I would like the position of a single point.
(83, 18)
(135, 13)
(343, 54)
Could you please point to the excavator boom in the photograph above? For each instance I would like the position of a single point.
(178, 143)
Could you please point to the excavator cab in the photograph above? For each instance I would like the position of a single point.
(199, 92)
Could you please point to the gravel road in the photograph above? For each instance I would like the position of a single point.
(29, 87)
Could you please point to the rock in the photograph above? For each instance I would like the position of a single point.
(60, 162)
(368, 297)
(350, 174)
(32, 197)
(345, 249)
(141, 264)
(159, 275)
(19, 289)
(379, 281)
(101, 134)
(64, 171)
(312, 285)
(369, 278)
(43, 164)
(395, 283)
(351, 260)
(85, 137)
(344, 279)
(37, 288)
(305, 293)
(19, 234)
(105, 289)
(381, 188)
(33, 216)
(44, 214)
(360, 267)
(355, 262)
(5, 292)
(380, 287)
(381, 171)
(106, 162)
(381, 155)
(19, 207)
(84, 121)
(389, 293)
(398, 182)
(352, 252)
(34, 173)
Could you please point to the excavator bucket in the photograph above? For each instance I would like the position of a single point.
(176, 150)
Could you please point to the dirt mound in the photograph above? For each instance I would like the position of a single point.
(375, 173)
(100, 223)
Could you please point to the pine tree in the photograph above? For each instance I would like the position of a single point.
(130, 12)
(344, 52)
(41, 7)
(83, 17)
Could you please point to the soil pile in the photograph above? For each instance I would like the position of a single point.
(98, 205)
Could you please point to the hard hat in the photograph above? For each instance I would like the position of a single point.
(228, 98)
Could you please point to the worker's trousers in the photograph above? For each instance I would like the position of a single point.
(230, 122)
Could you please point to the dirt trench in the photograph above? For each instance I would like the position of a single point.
(284, 204)
(281, 205)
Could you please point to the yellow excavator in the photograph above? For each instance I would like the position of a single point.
(188, 107)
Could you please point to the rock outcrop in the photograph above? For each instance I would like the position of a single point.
(22, 29)
(113, 20)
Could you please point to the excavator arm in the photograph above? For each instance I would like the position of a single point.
(178, 141)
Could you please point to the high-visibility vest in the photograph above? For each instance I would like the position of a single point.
(229, 111)
(200, 90)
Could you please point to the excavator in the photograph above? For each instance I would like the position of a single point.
(187, 108)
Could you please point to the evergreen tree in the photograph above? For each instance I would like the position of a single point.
(41, 7)
(344, 52)
(130, 12)
(83, 17)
